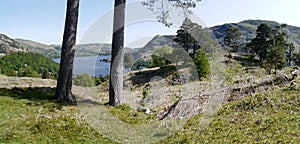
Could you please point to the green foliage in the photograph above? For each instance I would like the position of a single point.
(270, 45)
(97, 81)
(163, 51)
(28, 65)
(159, 61)
(186, 36)
(201, 63)
(160, 56)
(83, 80)
(142, 63)
(260, 44)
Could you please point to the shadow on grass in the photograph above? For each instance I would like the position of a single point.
(143, 77)
(246, 62)
(37, 96)
(41, 93)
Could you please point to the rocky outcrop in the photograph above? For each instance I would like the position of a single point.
(8, 45)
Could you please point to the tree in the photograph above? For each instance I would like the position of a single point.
(275, 56)
(84, 80)
(116, 70)
(162, 8)
(161, 55)
(232, 39)
(128, 60)
(117, 57)
(258, 46)
(201, 63)
(162, 51)
(270, 45)
(186, 36)
(64, 83)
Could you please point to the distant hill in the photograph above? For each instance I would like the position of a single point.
(54, 50)
(157, 41)
(8, 45)
(248, 30)
(47, 50)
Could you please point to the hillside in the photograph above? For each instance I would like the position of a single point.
(8, 45)
(248, 30)
(28, 114)
(54, 50)
(47, 50)
(158, 40)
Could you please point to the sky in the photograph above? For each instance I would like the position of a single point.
(43, 20)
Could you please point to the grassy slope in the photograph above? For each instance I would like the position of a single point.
(25, 118)
(28, 116)
(263, 118)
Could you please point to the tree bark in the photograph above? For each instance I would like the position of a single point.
(116, 68)
(64, 83)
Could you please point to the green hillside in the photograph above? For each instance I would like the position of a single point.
(28, 64)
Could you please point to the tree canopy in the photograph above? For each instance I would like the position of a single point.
(28, 65)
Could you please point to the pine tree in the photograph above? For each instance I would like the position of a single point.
(201, 63)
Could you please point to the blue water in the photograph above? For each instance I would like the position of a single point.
(90, 65)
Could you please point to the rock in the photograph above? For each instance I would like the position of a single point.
(146, 110)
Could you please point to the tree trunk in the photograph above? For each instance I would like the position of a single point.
(116, 68)
(64, 83)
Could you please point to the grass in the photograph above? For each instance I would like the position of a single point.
(263, 118)
(26, 119)
(30, 116)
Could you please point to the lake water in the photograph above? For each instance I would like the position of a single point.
(90, 65)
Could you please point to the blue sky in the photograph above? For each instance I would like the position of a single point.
(43, 20)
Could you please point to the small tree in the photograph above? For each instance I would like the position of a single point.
(83, 80)
(162, 51)
(201, 63)
(160, 56)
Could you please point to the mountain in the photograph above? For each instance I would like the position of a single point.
(47, 50)
(8, 45)
(248, 31)
(157, 41)
(54, 50)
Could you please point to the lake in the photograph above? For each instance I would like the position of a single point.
(90, 65)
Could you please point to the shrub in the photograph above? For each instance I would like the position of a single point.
(83, 80)
(201, 63)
